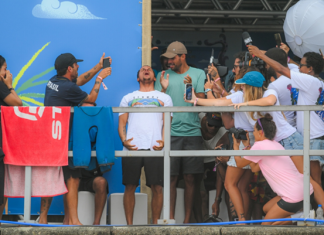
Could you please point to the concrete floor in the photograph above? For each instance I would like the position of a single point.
(157, 230)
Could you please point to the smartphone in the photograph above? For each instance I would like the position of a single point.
(278, 39)
(106, 63)
(188, 91)
(321, 52)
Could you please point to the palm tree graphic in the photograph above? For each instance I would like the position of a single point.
(29, 99)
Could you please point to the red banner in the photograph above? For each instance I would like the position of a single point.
(35, 136)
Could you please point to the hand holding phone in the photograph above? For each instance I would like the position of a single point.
(188, 91)
(106, 63)
(278, 39)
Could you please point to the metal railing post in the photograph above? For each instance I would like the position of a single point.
(306, 164)
(167, 147)
(27, 199)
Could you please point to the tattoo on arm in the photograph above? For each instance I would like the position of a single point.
(242, 216)
(96, 90)
(87, 76)
(97, 82)
(214, 74)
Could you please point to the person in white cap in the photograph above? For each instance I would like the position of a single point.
(185, 128)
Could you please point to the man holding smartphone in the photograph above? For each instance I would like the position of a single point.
(185, 128)
(63, 90)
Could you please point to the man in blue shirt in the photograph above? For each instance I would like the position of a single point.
(63, 90)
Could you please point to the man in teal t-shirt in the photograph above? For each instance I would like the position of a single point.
(185, 127)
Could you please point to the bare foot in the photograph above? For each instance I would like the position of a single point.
(76, 222)
(66, 220)
(42, 221)
(242, 223)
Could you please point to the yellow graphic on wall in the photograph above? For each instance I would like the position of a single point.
(28, 99)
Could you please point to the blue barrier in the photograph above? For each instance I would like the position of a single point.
(186, 225)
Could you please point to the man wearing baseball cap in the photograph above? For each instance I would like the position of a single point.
(63, 90)
(185, 128)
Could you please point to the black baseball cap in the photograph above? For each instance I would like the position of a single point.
(65, 60)
(214, 119)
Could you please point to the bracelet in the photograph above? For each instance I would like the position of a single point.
(216, 79)
(196, 101)
(288, 59)
(249, 146)
(10, 89)
(223, 92)
(123, 141)
(103, 84)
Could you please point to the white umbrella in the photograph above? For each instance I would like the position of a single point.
(304, 27)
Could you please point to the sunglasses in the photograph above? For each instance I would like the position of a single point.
(301, 65)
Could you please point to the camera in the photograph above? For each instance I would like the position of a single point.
(239, 134)
(255, 61)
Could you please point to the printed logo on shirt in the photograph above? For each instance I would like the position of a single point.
(146, 101)
(320, 102)
(293, 94)
(52, 86)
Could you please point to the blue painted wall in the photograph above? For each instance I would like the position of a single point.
(35, 32)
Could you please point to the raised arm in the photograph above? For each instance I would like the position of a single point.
(266, 101)
(241, 162)
(92, 97)
(87, 76)
(273, 64)
(208, 102)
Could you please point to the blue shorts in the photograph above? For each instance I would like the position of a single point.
(293, 142)
(316, 144)
(296, 141)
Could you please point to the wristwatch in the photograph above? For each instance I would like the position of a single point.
(123, 141)
(10, 89)
(207, 91)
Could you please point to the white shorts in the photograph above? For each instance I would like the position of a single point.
(232, 161)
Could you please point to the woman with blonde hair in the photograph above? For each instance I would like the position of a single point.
(236, 179)
(254, 92)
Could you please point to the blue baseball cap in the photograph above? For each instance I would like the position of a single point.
(252, 78)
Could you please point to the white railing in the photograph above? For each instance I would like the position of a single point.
(167, 153)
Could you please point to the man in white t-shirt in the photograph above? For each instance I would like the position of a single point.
(311, 92)
(282, 85)
(144, 132)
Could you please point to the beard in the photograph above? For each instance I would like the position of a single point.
(175, 68)
(147, 80)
